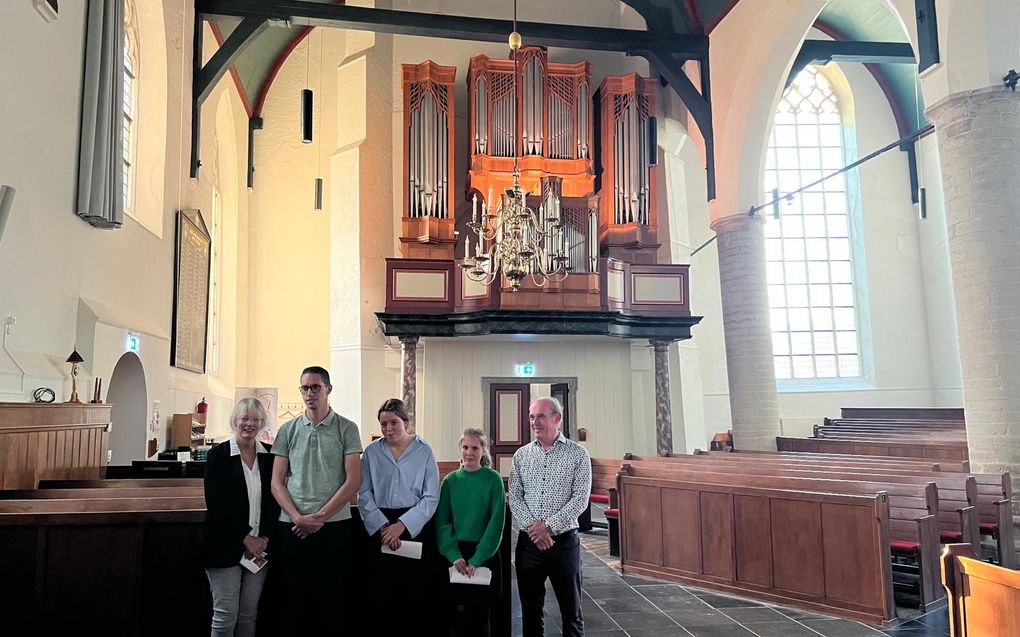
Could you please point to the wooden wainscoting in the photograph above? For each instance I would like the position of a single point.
(56, 442)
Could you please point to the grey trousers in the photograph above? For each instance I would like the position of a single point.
(235, 597)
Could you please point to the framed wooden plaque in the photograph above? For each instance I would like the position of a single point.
(192, 260)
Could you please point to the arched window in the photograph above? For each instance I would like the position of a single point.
(130, 114)
(810, 263)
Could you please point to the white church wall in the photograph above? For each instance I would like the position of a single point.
(947, 385)
(618, 417)
(289, 299)
(49, 258)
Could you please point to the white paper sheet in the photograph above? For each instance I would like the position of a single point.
(252, 565)
(407, 549)
(481, 577)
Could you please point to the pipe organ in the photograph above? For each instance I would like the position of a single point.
(428, 131)
(628, 224)
(547, 121)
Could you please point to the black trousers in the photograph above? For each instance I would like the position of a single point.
(561, 565)
(316, 569)
(469, 605)
(414, 582)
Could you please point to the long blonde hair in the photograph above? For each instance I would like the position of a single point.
(483, 440)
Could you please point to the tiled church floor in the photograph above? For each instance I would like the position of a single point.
(616, 605)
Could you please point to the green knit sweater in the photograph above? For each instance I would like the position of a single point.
(472, 506)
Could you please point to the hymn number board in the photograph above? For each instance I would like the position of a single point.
(191, 292)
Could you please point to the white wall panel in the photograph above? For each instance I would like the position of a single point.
(451, 397)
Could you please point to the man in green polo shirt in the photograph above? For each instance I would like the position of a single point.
(316, 473)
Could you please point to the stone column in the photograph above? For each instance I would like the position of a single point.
(663, 417)
(408, 373)
(754, 401)
(979, 148)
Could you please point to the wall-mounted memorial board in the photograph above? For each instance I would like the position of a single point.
(192, 257)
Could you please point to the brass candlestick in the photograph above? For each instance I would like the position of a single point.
(74, 359)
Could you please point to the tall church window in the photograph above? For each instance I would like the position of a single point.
(130, 103)
(808, 250)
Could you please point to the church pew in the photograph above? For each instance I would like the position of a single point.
(752, 541)
(912, 507)
(119, 573)
(906, 422)
(904, 413)
(942, 453)
(958, 517)
(110, 483)
(954, 438)
(102, 505)
(841, 457)
(86, 493)
(990, 494)
(983, 599)
(603, 491)
(447, 467)
(815, 465)
(136, 568)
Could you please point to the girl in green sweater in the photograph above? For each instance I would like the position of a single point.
(469, 525)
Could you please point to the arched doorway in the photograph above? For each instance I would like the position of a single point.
(129, 399)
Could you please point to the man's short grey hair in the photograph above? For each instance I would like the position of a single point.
(555, 406)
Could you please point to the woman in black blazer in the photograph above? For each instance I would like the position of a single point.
(240, 515)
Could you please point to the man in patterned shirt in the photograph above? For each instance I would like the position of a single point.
(549, 486)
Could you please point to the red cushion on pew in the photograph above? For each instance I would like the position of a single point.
(598, 498)
(947, 537)
(989, 528)
(903, 546)
(613, 513)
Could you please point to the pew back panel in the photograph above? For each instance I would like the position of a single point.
(983, 599)
(851, 575)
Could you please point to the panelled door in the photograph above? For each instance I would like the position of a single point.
(508, 422)
(561, 392)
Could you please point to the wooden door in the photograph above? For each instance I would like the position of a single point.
(509, 428)
(560, 392)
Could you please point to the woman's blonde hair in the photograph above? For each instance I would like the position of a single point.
(247, 406)
(483, 440)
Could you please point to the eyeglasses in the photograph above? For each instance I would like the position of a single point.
(311, 389)
(248, 420)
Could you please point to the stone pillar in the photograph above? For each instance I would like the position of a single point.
(979, 148)
(754, 401)
(663, 417)
(408, 373)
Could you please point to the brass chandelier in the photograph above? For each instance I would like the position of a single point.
(514, 240)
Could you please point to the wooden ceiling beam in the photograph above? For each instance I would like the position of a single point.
(304, 12)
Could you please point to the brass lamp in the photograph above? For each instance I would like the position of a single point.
(74, 359)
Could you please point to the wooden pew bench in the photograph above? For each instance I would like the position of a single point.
(952, 414)
(603, 492)
(120, 484)
(100, 493)
(937, 452)
(131, 572)
(958, 516)
(752, 541)
(983, 599)
(912, 523)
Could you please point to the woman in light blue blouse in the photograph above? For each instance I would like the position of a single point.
(397, 499)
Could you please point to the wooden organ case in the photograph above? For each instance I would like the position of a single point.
(628, 220)
(429, 199)
(547, 124)
(593, 153)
